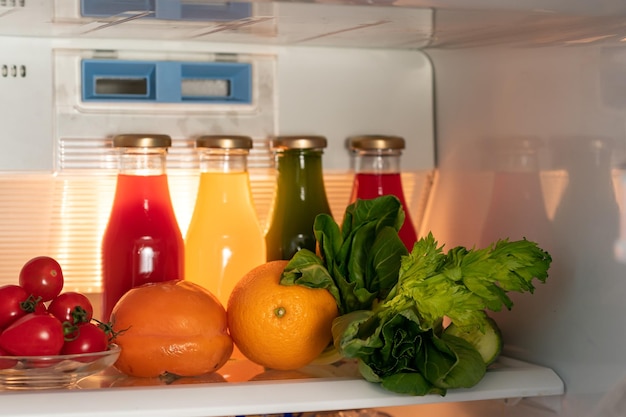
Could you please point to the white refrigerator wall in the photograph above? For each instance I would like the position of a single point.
(570, 103)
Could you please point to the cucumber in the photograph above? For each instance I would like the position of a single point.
(488, 344)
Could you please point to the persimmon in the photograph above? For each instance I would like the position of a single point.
(174, 327)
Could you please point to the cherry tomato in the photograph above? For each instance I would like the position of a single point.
(87, 338)
(40, 308)
(64, 307)
(6, 363)
(42, 277)
(33, 335)
(11, 299)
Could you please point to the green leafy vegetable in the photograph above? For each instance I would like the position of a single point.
(393, 303)
(404, 335)
(359, 264)
(463, 283)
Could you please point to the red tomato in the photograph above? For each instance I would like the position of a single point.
(11, 299)
(88, 338)
(6, 363)
(42, 277)
(64, 308)
(33, 335)
(40, 308)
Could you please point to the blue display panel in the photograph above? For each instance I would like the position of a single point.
(166, 81)
(167, 9)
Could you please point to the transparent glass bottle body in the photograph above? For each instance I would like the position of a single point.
(516, 209)
(142, 242)
(224, 239)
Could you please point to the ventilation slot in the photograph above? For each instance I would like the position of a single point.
(12, 3)
(99, 154)
(12, 71)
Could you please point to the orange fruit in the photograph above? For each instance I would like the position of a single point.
(176, 327)
(278, 326)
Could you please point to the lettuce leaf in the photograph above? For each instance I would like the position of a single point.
(359, 263)
(392, 303)
(401, 342)
(403, 358)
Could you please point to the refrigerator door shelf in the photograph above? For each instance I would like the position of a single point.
(508, 379)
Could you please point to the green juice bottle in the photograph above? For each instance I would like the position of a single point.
(299, 197)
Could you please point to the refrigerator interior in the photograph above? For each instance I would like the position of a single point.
(514, 121)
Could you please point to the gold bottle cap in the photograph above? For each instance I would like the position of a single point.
(299, 142)
(136, 140)
(224, 142)
(373, 142)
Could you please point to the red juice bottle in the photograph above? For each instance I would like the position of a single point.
(377, 173)
(142, 242)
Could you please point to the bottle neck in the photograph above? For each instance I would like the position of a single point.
(380, 161)
(143, 161)
(300, 176)
(224, 160)
(299, 165)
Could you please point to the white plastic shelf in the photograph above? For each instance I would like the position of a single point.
(508, 379)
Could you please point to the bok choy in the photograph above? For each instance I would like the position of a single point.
(393, 303)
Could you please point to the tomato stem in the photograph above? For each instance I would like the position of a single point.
(80, 315)
(70, 331)
(108, 329)
(30, 304)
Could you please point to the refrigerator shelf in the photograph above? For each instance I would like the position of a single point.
(509, 378)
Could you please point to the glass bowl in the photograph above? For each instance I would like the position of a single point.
(60, 371)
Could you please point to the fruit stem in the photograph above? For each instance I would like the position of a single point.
(80, 315)
(280, 312)
(30, 304)
(168, 377)
(108, 329)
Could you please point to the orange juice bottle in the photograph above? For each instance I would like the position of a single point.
(224, 239)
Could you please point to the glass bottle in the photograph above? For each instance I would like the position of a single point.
(377, 173)
(224, 240)
(142, 242)
(299, 197)
(517, 209)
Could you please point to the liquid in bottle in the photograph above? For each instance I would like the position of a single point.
(299, 196)
(142, 242)
(224, 239)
